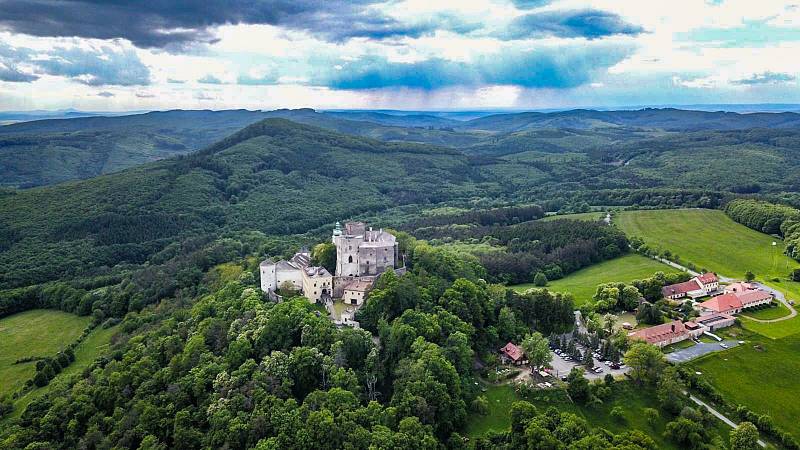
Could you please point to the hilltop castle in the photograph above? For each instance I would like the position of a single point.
(361, 255)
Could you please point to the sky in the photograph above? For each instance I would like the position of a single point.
(123, 55)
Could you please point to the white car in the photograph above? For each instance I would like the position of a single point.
(723, 345)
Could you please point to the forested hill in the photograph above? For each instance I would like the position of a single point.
(275, 176)
(650, 118)
(46, 152)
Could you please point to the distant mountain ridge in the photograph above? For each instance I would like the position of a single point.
(50, 151)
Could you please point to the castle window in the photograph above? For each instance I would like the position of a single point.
(350, 258)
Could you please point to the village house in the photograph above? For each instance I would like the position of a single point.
(734, 302)
(699, 286)
(512, 354)
(667, 333)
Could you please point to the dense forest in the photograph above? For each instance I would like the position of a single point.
(769, 218)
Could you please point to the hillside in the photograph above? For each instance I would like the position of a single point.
(45, 152)
(275, 176)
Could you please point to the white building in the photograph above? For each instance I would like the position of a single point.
(315, 283)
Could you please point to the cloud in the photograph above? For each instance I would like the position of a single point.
(168, 24)
(175, 81)
(765, 78)
(555, 67)
(105, 94)
(588, 23)
(144, 95)
(95, 66)
(203, 96)
(209, 79)
(530, 4)
(15, 76)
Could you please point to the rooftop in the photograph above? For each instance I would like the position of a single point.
(722, 303)
(680, 288)
(708, 277)
(512, 351)
(661, 332)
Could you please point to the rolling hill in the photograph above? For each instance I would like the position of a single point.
(274, 176)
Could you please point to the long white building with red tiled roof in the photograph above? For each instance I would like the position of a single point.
(735, 302)
(699, 286)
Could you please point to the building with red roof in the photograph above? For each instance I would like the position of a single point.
(510, 353)
(699, 286)
(667, 333)
(734, 303)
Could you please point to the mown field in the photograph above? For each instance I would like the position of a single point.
(711, 240)
(761, 375)
(96, 344)
(583, 283)
(33, 333)
(632, 398)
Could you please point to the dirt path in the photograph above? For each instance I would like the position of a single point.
(720, 416)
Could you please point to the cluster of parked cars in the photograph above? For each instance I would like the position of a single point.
(597, 356)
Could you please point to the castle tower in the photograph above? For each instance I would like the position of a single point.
(347, 242)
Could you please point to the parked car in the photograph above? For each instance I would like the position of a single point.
(723, 345)
(615, 366)
(599, 370)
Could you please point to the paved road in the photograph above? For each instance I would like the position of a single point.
(720, 416)
(698, 350)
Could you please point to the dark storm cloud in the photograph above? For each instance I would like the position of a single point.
(166, 23)
(588, 23)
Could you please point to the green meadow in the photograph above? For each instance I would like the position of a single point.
(583, 283)
(37, 332)
(762, 375)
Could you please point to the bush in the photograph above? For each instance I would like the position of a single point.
(618, 414)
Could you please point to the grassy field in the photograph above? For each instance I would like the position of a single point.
(764, 379)
(633, 399)
(711, 240)
(775, 312)
(583, 283)
(33, 333)
(96, 344)
(589, 216)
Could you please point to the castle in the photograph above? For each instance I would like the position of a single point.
(361, 255)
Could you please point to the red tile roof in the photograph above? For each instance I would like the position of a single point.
(708, 277)
(722, 303)
(680, 288)
(512, 351)
(660, 333)
(753, 297)
(739, 287)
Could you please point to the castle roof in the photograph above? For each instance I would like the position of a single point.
(359, 286)
(315, 271)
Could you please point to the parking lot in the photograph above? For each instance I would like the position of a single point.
(698, 350)
(562, 367)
